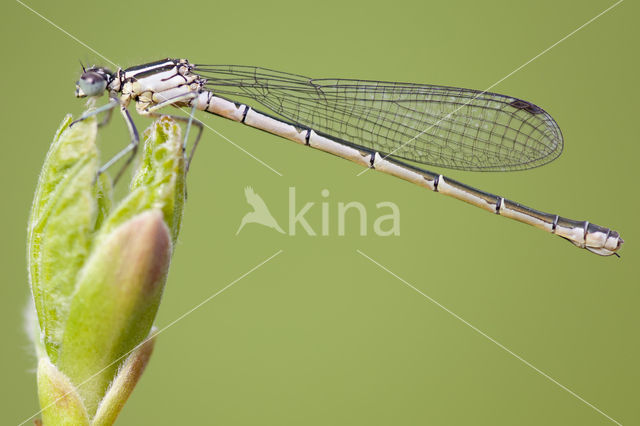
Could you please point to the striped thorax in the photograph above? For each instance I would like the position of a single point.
(163, 81)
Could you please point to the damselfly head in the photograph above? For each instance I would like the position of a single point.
(93, 82)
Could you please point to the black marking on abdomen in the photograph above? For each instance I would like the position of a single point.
(307, 137)
(244, 114)
(436, 181)
(554, 225)
(499, 204)
(372, 160)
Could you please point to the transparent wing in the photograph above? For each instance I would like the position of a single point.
(427, 124)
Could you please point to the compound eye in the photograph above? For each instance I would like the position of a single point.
(92, 84)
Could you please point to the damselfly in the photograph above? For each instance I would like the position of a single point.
(387, 126)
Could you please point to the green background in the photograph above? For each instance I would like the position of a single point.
(320, 335)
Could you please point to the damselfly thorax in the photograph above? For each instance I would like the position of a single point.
(391, 127)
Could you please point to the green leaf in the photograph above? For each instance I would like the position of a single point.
(123, 384)
(160, 179)
(61, 404)
(60, 227)
(119, 289)
(118, 294)
(97, 275)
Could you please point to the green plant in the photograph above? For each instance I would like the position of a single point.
(97, 269)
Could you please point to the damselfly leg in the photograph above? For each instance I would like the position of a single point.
(107, 118)
(108, 108)
(132, 147)
(189, 120)
(133, 132)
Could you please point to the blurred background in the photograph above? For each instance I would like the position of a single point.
(320, 334)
